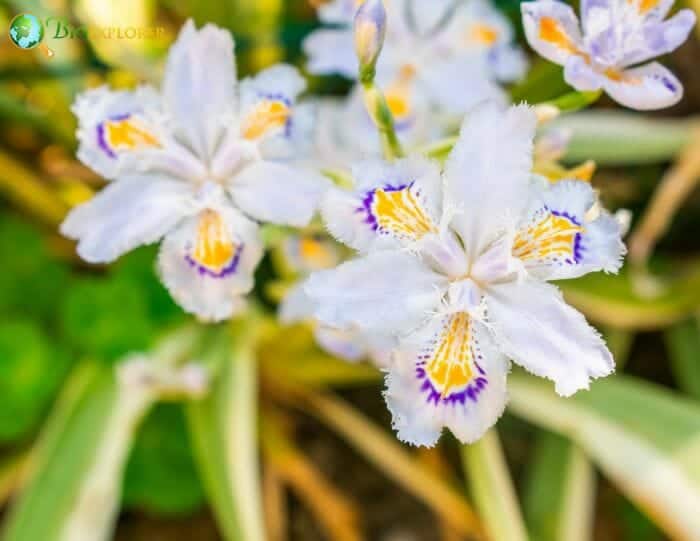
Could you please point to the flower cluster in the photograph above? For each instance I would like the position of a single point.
(439, 59)
(451, 282)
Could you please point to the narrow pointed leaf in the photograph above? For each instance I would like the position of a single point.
(492, 489)
(560, 492)
(223, 428)
(644, 438)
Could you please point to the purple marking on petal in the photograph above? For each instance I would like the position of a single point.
(471, 391)
(668, 84)
(223, 273)
(101, 135)
(368, 201)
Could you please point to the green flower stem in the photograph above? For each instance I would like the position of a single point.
(492, 489)
(379, 111)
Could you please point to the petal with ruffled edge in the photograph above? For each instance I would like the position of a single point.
(331, 52)
(127, 213)
(534, 326)
(393, 204)
(449, 375)
(207, 263)
(487, 176)
(267, 102)
(644, 88)
(278, 193)
(111, 123)
(199, 88)
(384, 292)
(551, 28)
(560, 239)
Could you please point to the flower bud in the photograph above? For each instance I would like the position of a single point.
(370, 29)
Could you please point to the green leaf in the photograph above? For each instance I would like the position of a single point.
(560, 491)
(622, 138)
(31, 370)
(683, 343)
(492, 489)
(613, 300)
(106, 318)
(223, 428)
(644, 438)
(31, 282)
(161, 475)
(73, 493)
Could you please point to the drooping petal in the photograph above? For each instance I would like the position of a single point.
(559, 239)
(267, 102)
(391, 205)
(534, 326)
(207, 263)
(278, 193)
(331, 52)
(199, 86)
(111, 123)
(128, 213)
(644, 88)
(551, 28)
(450, 375)
(663, 37)
(383, 292)
(487, 174)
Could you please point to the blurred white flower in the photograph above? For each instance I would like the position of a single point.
(618, 35)
(439, 57)
(308, 253)
(455, 266)
(196, 164)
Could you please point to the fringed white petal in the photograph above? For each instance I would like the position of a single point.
(534, 326)
(450, 375)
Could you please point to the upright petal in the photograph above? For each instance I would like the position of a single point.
(112, 123)
(534, 326)
(393, 204)
(551, 28)
(199, 86)
(644, 88)
(331, 52)
(277, 192)
(559, 238)
(383, 292)
(487, 174)
(207, 263)
(450, 375)
(128, 213)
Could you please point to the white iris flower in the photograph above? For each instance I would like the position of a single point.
(456, 263)
(197, 164)
(618, 35)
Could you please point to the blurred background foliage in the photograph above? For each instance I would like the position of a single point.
(57, 313)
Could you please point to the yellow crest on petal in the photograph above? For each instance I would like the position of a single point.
(398, 212)
(124, 134)
(214, 248)
(450, 363)
(266, 116)
(552, 32)
(553, 236)
(484, 34)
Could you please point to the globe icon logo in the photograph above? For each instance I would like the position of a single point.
(26, 31)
